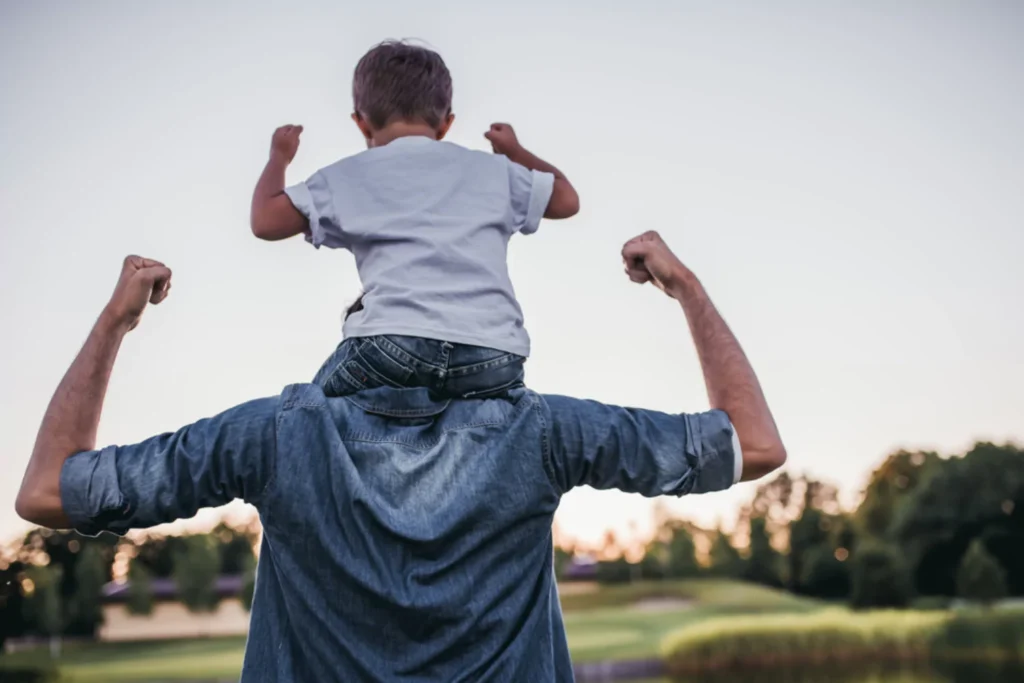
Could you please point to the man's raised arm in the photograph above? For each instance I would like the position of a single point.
(68, 483)
(731, 383)
(72, 418)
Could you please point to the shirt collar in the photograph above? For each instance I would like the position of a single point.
(410, 140)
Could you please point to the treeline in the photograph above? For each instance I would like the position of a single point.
(51, 583)
(928, 529)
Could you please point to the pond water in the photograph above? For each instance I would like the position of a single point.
(940, 673)
(945, 673)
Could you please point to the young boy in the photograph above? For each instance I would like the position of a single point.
(428, 222)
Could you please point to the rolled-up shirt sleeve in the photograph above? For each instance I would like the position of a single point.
(639, 451)
(173, 476)
(313, 199)
(530, 193)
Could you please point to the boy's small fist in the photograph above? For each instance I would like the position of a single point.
(285, 142)
(503, 139)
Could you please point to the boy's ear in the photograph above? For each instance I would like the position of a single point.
(364, 128)
(445, 125)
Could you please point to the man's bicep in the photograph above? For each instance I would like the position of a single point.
(172, 476)
(639, 451)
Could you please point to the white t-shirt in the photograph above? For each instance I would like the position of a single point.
(429, 224)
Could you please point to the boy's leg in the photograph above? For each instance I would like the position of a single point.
(364, 363)
(331, 377)
(448, 370)
(478, 372)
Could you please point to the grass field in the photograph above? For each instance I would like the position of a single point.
(610, 625)
(218, 658)
(603, 625)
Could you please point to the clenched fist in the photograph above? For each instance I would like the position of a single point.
(142, 281)
(503, 139)
(285, 143)
(648, 259)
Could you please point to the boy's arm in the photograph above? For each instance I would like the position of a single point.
(565, 202)
(273, 216)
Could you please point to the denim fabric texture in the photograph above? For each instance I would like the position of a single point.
(447, 370)
(406, 538)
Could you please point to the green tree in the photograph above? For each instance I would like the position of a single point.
(614, 571)
(13, 621)
(980, 577)
(879, 577)
(236, 548)
(793, 512)
(811, 530)
(248, 584)
(774, 502)
(158, 553)
(764, 563)
(563, 559)
(140, 589)
(980, 494)
(681, 560)
(196, 568)
(655, 559)
(45, 605)
(726, 561)
(65, 549)
(825, 575)
(890, 487)
(86, 604)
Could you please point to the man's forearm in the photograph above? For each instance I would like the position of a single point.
(731, 383)
(70, 423)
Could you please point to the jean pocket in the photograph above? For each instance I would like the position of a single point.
(374, 366)
(487, 361)
(359, 364)
(350, 377)
(489, 379)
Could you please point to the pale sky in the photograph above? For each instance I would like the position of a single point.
(846, 179)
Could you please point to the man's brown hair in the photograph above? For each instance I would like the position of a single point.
(399, 81)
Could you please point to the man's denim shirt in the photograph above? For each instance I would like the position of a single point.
(404, 539)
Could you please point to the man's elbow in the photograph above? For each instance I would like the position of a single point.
(23, 507)
(30, 507)
(776, 457)
(762, 461)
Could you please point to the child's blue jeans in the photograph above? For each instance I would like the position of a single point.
(447, 370)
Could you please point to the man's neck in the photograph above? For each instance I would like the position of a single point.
(402, 129)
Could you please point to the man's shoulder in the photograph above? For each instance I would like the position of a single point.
(402, 403)
(297, 395)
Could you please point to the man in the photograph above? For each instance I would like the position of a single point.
(404, 538)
